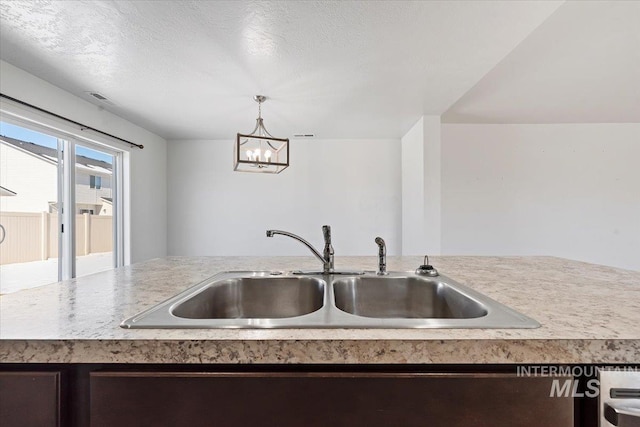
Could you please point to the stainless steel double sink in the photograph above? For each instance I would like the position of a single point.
(289, 300)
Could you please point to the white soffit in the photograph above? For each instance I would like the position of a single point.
(189, 69)
(582, 65)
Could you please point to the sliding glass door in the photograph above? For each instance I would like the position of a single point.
(40, 175)
(29, 194)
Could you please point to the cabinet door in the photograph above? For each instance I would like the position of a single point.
(29, 399)
(324, 399)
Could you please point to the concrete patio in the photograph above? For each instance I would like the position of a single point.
(27, 275)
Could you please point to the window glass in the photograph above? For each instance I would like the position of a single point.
(94, 213)
(29, 222)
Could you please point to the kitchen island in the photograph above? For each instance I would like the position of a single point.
(62, 346)
(588, 314)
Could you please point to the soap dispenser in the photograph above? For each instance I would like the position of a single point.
(426, 269)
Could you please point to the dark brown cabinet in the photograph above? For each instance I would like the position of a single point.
(324, 398)
(29, 399)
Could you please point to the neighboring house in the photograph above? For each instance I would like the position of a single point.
(5, 192)
(30, 171)
(31, 176)
(107, 206)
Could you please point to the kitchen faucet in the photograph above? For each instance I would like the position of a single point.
(326, 258)
(382, 257)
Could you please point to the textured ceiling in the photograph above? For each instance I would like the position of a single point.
(189, 69)
(582, 65)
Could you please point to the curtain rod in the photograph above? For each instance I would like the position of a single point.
(82, 127)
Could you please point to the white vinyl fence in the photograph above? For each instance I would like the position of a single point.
(34, 236)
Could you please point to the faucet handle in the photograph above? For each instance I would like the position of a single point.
(326, 232)
(382, 256)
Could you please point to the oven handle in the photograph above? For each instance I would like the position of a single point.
(622, 416)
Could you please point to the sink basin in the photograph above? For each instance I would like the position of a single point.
(406, 298)
(254, 297)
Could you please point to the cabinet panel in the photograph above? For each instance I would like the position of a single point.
(321, 399)
(29, 399)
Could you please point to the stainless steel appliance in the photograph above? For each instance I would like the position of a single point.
(620, 397)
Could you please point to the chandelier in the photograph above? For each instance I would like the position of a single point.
(258, 151)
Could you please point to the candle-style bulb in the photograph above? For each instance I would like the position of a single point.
(257, 154)
(267, 155)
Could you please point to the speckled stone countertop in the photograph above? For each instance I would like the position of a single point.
(588, 313)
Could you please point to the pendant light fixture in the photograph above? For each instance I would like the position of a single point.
(259, 151)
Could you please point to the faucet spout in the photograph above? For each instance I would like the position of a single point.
(326, 259)
(382, 256)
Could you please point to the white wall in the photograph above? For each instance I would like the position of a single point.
(568, 190)
(413, 197)
(148, 197)
(352, 185)
(432, 185)
(421, 198)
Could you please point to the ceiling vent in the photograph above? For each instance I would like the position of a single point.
(304, 135)
(100, 97)
(97, 95)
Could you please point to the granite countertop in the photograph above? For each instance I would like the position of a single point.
(589, 314)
